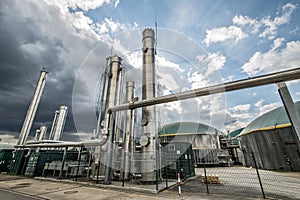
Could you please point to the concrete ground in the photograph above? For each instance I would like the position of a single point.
(236, 183)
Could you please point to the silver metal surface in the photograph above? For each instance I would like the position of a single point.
(128, 128)
(288, 75)
(47, 143)
(40, 133)
(58, 123)
(120, 101)
(148, 162)
(32, 108)
(51, 135)
(109, 121)
(289, 107)
(43, 132)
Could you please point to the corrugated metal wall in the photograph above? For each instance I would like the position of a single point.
(276, 149)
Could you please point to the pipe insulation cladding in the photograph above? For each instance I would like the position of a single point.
(27, 124)
(148, 162)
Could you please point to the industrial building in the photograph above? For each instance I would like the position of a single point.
(205, 141)
(115, 153)
(273, 141)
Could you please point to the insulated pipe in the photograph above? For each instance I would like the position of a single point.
(276, 77)
(32, 108)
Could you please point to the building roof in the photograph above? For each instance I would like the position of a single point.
(273, 119)
(236, 132)
(187, 128)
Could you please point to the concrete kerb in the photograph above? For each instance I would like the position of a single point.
(110, 186)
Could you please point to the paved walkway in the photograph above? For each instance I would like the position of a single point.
(236, 183)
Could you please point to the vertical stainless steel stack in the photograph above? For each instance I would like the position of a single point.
(32, 108)
(58, 123)
(148, 165)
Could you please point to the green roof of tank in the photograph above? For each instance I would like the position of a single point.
(187, 128)
(236, 132)
(273, 119)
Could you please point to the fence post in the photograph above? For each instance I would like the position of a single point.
(260, 183)
(179, 186)
(205, 177)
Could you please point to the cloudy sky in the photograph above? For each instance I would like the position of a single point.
(199, 43)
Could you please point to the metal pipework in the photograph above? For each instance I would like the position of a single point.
(58, 123)
(43, 131)
(128, 128)
(40, 133)
(51, 136)
(32, 108)
(112, 90)
(149, 129)
(61, 120)
(102, 99)
(288, 75)
(118, 118)
(109, 121)
(289, 107)
(46, 143)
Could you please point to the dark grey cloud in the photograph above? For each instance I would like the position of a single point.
(35, 35)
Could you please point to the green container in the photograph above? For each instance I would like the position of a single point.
(177, 157)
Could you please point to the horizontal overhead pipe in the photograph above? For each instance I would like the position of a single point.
(276, 77)
(65, 144)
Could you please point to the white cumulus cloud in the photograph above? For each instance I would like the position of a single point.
(223, 34)
(265, 108)
(274, 60)
(213, 61)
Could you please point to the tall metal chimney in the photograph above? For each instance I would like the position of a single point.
(112, 94)
(32, 108)
(58, 123)
(149, 129)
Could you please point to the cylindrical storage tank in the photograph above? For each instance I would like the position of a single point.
(32, 108)
(272, 140)
(149, 130)
(204, 139)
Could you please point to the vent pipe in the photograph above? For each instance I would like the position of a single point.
(32, 108)
(58, 123)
